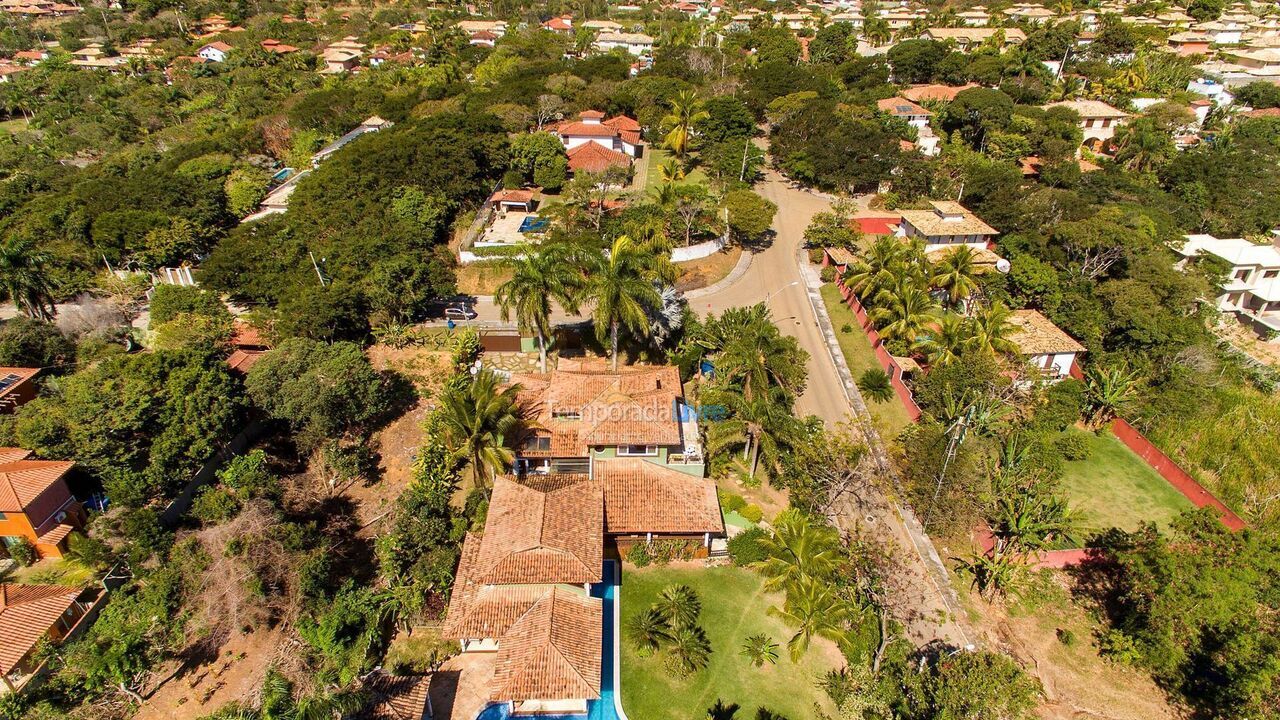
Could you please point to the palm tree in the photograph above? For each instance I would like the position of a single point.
(1133, 77)
(685, 113)
(945, 341)
(690, 650)
(1108, 391)
(620, 291)
(876, 31)
(760, 649)
(876, 384)
(798, 548)
(754, 356)
(904, 311)
(680, 605)
(763, 428)
(882, 265)
(542, 276)
(672, 171)
(479, 420)
(813, 608)
(956, 273)
(720, 711)
(1028, 521)
(991, 329)
(24, 278)
(649, 630)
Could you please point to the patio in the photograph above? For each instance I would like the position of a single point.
(505, 229)
(460, 688)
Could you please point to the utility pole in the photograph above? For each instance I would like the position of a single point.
(956, 435)
(317, 267)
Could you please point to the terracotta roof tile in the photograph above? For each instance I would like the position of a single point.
(542, 530)
(594, 157)
(27, 612)
(643, 497)
(23, 481)
(553, 652)
(397, 697)
(1035, 335)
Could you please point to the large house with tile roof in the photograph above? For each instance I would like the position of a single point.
(1044, 346)
(946, 223)
(36, 503)
(29, 614)
(619, 133)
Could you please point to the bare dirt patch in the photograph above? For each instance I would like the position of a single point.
(482, 278)
(708, 270)
(235, 675)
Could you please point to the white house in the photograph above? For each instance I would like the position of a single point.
(947, 223)
(620, 134)
(215, 51)
(1045, 346)
(635, 43)
(917, 117)
(1252, 286)
(1098, 120)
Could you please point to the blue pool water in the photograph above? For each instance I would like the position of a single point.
(604, 708)
(533, 224)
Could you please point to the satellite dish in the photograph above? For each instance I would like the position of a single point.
(1003, 265)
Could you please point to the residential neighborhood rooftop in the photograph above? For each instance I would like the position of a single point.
(1034, 334)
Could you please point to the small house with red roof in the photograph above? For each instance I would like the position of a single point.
(248, 347)
(36, 503)
(272, 45)
(215, 51)
(17, 388)
(562, 24)
(30, 614)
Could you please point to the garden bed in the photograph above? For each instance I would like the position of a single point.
(734, 607)
(1113, 487)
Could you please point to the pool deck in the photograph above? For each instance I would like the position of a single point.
(460, 689)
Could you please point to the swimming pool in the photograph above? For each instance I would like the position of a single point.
(605, 708)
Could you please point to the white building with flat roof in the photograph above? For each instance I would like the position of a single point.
(1252, 286)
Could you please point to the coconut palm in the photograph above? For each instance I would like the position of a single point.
(686, 111)
(620, 291)
(764, 428)
(991, 329)
(24, 278)
(480, 419)
(541, 276)
(943, 343)
(648, 630)
(1132, 77)
(760, 649)
(956, 273)
(799, 547)
(720, 711)
(1108, 391)
(904, 311)
(690, 650)
(876, 31)
(879, 268)
(680, 605)
(814, 610)
(754, 356)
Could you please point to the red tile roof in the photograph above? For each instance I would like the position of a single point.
(643, 497)
(594, 157)
(877, 224)
(218, 45)
(27, 612)
(22, 376)
(542, 530)
(901, 107)
(553, 652)
(22, 481)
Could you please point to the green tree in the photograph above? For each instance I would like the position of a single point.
(760, 649)
(621, 288)
(649, 630)
(1109, 390)
(956, 273)
(24, 278)
(26, 342)
(876, 384)
(542, 276)
(943, 343)
(800, 547)
(904, 311)
(685, 113)
(680, 605)
(814, 610)
(690, 650)
(991, 328)
(750, 215)
(481, 420)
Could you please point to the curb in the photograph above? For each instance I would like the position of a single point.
(734, 276)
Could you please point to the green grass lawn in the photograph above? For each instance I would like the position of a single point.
(658, 156)
(734, 606)
(53, 572)
(13, 126)
(890, 417)
(1113, 487)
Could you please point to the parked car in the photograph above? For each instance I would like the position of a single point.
(459, 312)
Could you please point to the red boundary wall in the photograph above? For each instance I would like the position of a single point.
(877, 345)
(1169, 470)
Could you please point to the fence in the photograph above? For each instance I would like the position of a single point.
(698, 251)
(1170, 471)
(887, 363)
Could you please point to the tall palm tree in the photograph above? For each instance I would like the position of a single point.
(798, 548)
(480, 420)
(24, 278)
(904, 311)
(686, 111)
(945, 341)
(754, 356)
(620, 289)
(814, 610)
(763, 427)
(541, 276)
(991, 329)
(956, 273)
(876, 31)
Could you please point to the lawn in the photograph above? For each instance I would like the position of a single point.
(658, 156)
(734, 606)
(890, 417)
(1113, 487)
(53, 572)
(16, 125)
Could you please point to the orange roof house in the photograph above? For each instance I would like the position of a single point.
(620, 133)
(16, 388)
(593, 158)
(36, 503)
(29, 614)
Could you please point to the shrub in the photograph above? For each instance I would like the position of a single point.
(88, 551)
(1066, 637)
(752, 512)
(815, 256)
(876, 384)
(745, 547)
(214, 505)
(1073, 446)
(249, 476)
(846, 328)
(639, 555)
(423, 653)
(22, 552)
(732, 502)
(1121, 648)
(827, 274)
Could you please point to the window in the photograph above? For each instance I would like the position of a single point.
(538, 443)
(1242, 274)
(1269, 274)
(2, 517)
(637, 450)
